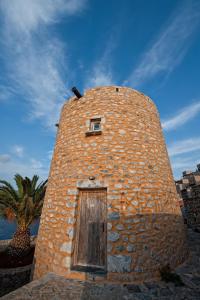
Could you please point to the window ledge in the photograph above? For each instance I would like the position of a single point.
(96, 132)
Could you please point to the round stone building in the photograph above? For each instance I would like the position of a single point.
(110, 209)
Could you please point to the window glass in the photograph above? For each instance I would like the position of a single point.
(95, 124)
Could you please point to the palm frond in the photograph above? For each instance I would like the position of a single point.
(6, 200)
(26, 202)
(7, 212)
(27, 186)
(34, 182)
(7, 187)
(19, 179)
(2, 212)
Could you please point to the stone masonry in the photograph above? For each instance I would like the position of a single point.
(52, 286)
(128, 157)
(188, 188)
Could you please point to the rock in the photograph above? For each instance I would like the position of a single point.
(196, 280)
(66, 262)
(113, 236)
(66, 247)
(120, 248)
(150, 204)
(104, 171)
(70, 204)
(71, 220)
(125, 238)
(109, 247)
(119, 263)
(113, 216)
(132, 238)
(130, 248)
(138, 269)
(109, 226)
(122, 132)
(70, 232)
(120, 227)
(118, 185)
(50, 244)
(165, 292)
(135, 203)
(132, 288)
(128, 221)
(113, 197)
(151, 285)
(72, 192)
(132, 171)
(136, 220)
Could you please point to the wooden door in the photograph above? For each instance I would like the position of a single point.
(90, 243)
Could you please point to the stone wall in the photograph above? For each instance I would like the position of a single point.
(5, 243)
(188, 188)
(145, 230)
(13, 278)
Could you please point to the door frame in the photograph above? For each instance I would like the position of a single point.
(88, 268)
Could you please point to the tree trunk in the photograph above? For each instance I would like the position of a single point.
(20, 243)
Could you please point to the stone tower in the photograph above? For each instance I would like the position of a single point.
(111, 203)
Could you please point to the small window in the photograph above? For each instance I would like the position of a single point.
(95, 127)
(95, 124)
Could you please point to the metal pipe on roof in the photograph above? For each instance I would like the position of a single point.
(76, 92)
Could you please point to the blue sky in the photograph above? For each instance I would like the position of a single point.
(48, 46)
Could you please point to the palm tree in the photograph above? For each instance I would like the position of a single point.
(23, 205)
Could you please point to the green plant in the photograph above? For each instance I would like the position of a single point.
(23, 205)
(168, 276)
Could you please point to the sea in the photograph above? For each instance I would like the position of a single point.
(7, 229)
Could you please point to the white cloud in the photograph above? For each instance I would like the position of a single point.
(28, 15)
(4, 158)
(171, 45)
(184, 146)
(23, 164)
(50, 154)
(183, 116)
(35, 60)
(100, 77)
(184, 155)
(74, 6)
(28, 168)
(5, 92)
(18, 150)
(36, 164)
(101, 73)
(184, 163)
(40, 80)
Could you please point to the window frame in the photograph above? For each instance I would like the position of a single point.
(93, 122)
(91, 126)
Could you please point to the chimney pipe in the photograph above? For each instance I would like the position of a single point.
(76, 92)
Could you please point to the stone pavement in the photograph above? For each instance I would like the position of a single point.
(53, 287)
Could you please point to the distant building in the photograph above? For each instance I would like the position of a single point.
(188, 189)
